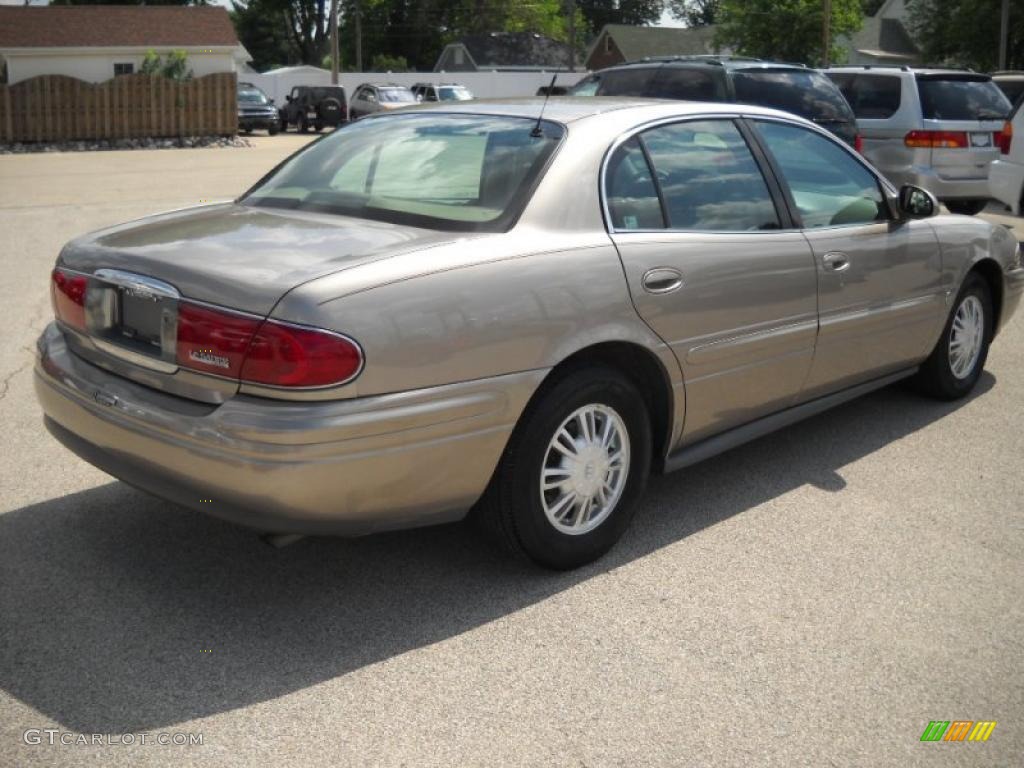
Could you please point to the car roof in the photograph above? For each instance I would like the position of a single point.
(731, 63)
(569, 109)
(905, 68)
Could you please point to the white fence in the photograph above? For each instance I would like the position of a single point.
(484, 85)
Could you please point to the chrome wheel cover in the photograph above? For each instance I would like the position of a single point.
(966, 337)
(584, 470)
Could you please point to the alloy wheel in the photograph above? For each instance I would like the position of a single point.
(966, 336)
(585, 469)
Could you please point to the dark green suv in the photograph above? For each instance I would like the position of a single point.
(789, 87)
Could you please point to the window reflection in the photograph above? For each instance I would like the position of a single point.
(829, 186)
(709, 178)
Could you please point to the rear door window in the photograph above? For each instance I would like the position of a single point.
(688, 83)
(633, 81)
(632, 196)
(803, 92)
(709, 179)
(961, 97)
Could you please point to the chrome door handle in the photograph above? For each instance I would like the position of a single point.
(836, 261)
(662, 280)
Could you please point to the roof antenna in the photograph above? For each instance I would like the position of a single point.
(536, 133)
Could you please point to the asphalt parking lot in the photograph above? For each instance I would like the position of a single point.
(813, 598)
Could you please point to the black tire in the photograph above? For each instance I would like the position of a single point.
(512, 510)
(303, 125)
(273, 130)
(936, 376)
(966, 207)
(318, 126)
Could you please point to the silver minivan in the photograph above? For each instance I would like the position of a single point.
(933, 128)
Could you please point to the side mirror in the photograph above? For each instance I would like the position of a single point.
(917, 203)
(288, 97)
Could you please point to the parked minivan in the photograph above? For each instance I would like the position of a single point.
(1006, 175)
(934, 128)
(793, 88)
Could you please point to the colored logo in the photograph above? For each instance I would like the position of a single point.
(958, 730)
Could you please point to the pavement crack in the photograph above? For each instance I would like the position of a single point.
(5, 384)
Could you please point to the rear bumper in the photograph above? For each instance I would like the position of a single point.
(1006, 184)
(342, 467)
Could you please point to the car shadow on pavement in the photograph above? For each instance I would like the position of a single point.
(120, 612)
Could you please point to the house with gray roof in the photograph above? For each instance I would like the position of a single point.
(504, 52)
(883, 38)
(616, 43)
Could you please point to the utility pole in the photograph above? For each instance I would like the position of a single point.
(1004, 32)
(572, 34)
(826, 32)
(334, 42)
(359, 36)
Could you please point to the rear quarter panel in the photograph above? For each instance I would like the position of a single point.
(443, 316)
(965, 241)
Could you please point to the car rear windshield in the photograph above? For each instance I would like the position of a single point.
(802, 92)
(453, 93)
(961, 97)
(396, 94)
(327, 93)
(447, 172)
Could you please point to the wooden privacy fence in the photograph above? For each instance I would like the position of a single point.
(60, 108)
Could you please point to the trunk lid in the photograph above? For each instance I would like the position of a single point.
(142, 283)
(242, 257)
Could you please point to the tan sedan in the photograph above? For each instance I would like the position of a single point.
(475, 307)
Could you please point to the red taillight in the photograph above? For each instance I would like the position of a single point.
(212, 340)
(1005, 137)
(858, 143)
(263, 351)
(68, 292)
(936, 139)
(284, 355)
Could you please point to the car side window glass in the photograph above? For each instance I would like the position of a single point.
(829, 186)
(586, 87)
(687, 83)
(632, 81)
(875, 97)
(630, 190)
(709, 178)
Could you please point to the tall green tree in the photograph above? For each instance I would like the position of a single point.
(966, 32)
(788, 30)
(262, 27)
(597, 13)
(696, 13)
